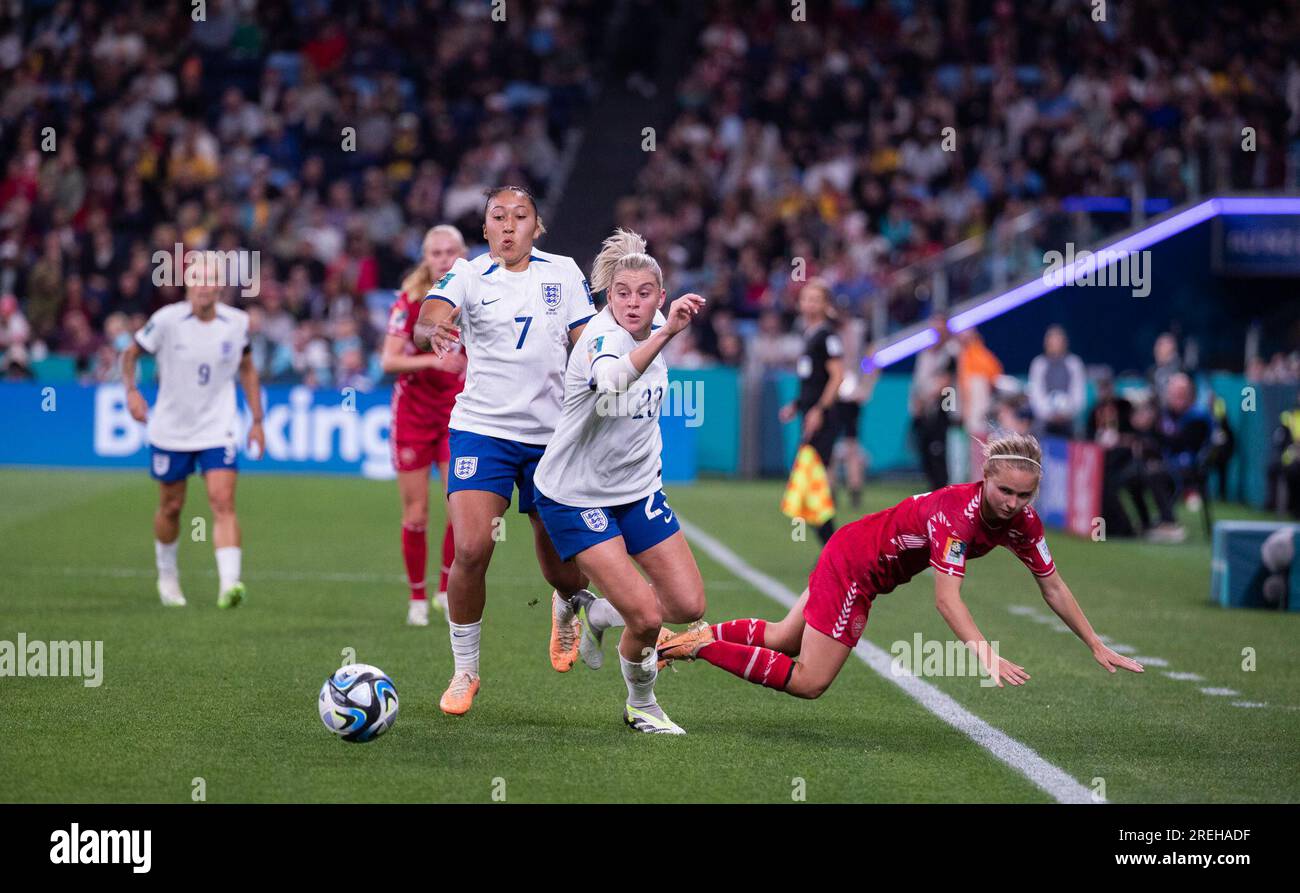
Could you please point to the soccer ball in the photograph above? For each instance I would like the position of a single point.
(358, 702)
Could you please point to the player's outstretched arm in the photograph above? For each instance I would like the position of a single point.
(135, 402)
(1062, 602)
(947, 598)
(248, 380)
(617, 377)
(436, 329)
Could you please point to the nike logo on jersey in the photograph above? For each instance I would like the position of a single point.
(493, 301)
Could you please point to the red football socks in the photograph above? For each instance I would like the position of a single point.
(761, 666)
(746, 632)
(415, 553)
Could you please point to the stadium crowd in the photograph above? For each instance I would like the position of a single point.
(829, 144)
(328, 137)
(227, 133)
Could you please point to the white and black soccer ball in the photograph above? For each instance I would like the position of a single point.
(358, 702)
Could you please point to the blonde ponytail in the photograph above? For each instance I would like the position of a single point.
(625, 250)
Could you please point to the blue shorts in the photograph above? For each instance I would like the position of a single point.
(170, 466)
(642, 524)
(480, 462)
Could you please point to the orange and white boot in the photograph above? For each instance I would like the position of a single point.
(685, 644)
(459, 696)
(565, 635)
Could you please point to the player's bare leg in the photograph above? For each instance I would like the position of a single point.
(166, 533)
(225, 536)
(568, 580)
(448, 545)
(413, 487)
(676, 579)
(609, 568)
(474, 517)
(677, 585)
(820, 660)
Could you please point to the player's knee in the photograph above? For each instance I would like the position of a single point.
(222, 506)
(643, 621)
(415, 512)
(170, 506)
(690, 607)
(801, 685)
(472, 555)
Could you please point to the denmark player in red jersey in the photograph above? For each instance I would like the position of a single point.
(423, 396)
(943, 529)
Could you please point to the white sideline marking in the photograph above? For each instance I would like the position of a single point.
(1047, 777)
(1039, 617)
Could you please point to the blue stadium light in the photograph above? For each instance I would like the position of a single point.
(901, 350)
(1037, 287)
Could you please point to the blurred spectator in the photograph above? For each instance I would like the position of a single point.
(977, 371)
(1146, 474)
(1185, 430)
(1110, 426)
(1057, 385)
(1111, 418)
(1167, 364)
(928, 404)
(14, 332)
(1284, 464)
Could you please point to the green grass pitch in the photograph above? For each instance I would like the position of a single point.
(230, 696)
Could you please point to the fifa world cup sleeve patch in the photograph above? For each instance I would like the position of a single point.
(954, 552)
(594, 348)
(1044, 553)
(442, 283)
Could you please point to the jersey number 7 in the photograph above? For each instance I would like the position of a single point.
(527, 321)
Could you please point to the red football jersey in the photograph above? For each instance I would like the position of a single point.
(422, 401)
(942, 529)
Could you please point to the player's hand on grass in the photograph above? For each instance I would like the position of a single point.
(445, 335)
(1111, 660)
(256, 436)
(1002, 669)
(137, 406)
(682, 312)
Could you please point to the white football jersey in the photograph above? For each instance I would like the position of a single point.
(198, 363)
(606, 449)
(515, 328)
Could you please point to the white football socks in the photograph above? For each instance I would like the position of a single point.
(228, 566)
(562, 608)
(640, 678)
(164, 555)
(602, 615)
(464, 645)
